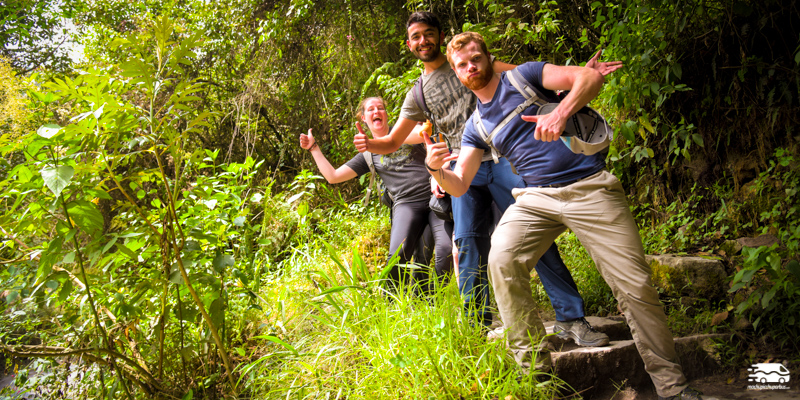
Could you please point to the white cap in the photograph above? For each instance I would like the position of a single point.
(587, 132)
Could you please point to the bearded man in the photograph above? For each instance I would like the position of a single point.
(563, 190)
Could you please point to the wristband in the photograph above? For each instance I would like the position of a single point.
(312, 146)
(429, 168)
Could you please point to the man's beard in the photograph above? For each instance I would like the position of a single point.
(432, 55)
(479, 82)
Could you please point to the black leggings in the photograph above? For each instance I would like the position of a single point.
(409, 220)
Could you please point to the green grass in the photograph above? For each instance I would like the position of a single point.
(337, 334)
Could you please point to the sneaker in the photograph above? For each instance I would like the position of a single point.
(685, 394)
(581, 332)
(496, 333)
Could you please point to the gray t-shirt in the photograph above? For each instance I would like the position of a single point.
(403, 172)
(450, 102)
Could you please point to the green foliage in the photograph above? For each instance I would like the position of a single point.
(770, 291)
(163, 217)
(155, 236)
(33, 33)
(779, 184)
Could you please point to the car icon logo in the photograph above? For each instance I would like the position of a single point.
(768, 373)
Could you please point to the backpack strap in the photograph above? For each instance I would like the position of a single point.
(476, 120)
(419, 97)
(527, 89)
(371, 165)
(532, 96)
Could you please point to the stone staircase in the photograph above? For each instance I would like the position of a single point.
(617, 371)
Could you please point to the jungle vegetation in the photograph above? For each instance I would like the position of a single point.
(163, 235)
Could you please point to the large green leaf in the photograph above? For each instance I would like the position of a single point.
(221, 261)
(186, 311)
(217, 312)
(57, 178)
(86, 216)
(48, 130)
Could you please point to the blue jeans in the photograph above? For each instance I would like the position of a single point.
(473, 226)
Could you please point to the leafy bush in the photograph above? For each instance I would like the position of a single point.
(768, 293)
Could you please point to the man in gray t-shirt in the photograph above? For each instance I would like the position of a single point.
(450, 104)
(443, 94)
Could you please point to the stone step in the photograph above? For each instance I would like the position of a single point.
(602, 372)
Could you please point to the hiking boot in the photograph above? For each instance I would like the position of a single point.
(581, 332)
(685, 394)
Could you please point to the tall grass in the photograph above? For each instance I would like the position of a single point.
(337, 333)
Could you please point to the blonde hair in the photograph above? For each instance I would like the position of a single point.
(463, 39)
(363, 104)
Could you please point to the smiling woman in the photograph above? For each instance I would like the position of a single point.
(407, 181)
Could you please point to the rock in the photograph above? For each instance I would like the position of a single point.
(700, 277)
(731, 247)
(600, 372)
(758, 241)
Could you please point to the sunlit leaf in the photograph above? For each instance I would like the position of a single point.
(23, 174)
(295, 197)
(645, 122)
(48, 130)
(302, 209)
(97, 113)
(57, 178)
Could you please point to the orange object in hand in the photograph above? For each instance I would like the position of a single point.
(426, 129)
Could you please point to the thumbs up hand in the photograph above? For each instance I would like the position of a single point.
(360, 140)
(307, 141)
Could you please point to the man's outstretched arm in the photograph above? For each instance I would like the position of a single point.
(331, 174)
(603, 67)
(457, 181)
(584, 85)
(387, 144)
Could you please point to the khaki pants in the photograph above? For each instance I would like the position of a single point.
(596, 210)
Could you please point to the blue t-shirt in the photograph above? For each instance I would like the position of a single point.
(538, 163)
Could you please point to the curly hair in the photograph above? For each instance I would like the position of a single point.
(463, 39)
